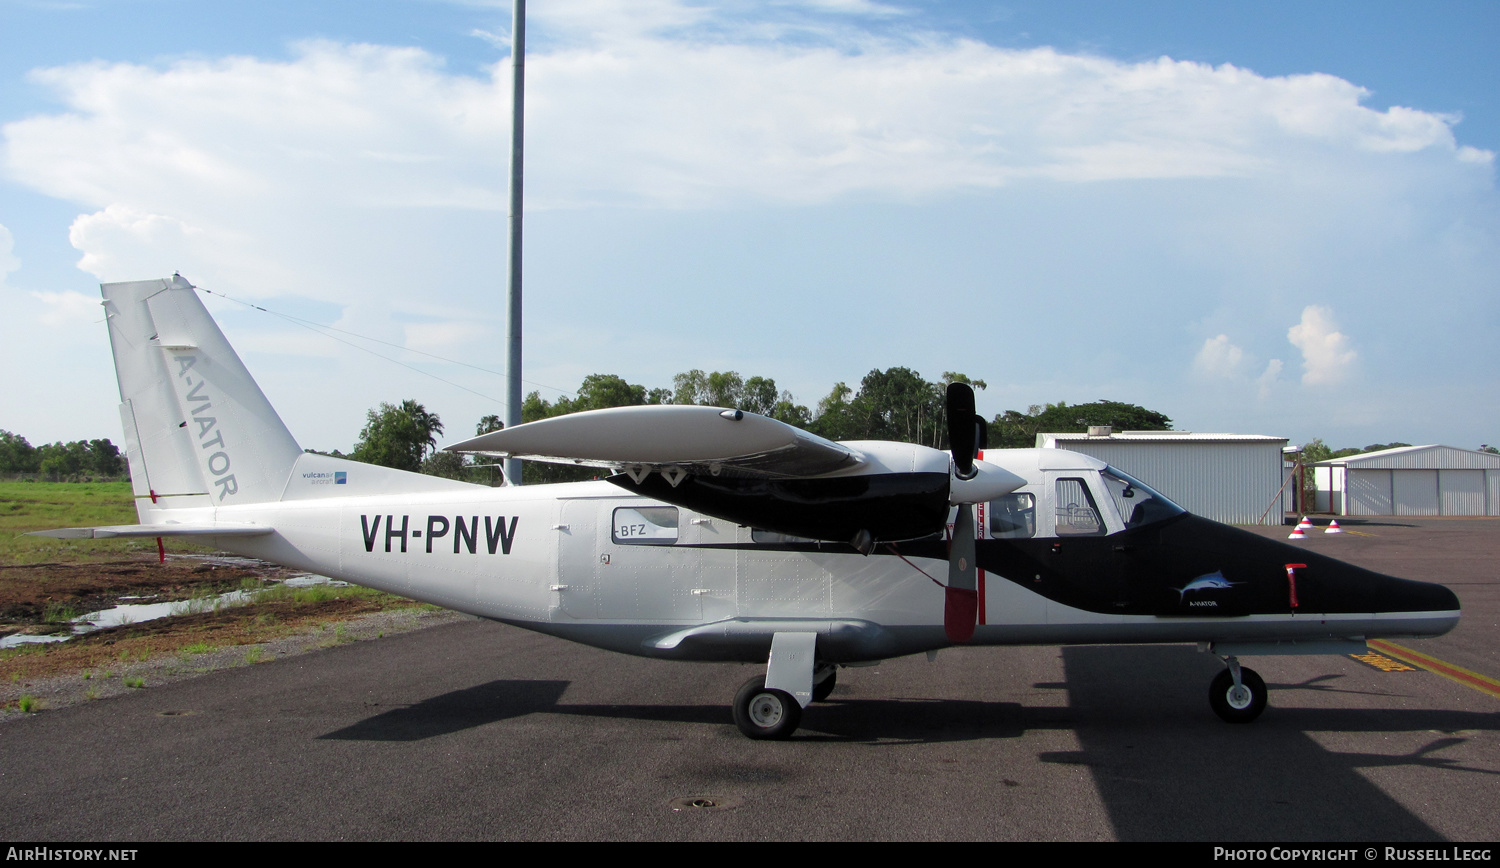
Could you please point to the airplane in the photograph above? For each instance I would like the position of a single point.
(722, 535)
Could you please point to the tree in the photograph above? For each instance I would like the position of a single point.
(449, 465)
(488, 474)
(894, 404)
(835, 419)
(398, 436)
(718, 389)
(16, 455)
(1315, 450)
(1013, 429)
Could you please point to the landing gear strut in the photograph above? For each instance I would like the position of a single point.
(771, 707)
(1238, 694)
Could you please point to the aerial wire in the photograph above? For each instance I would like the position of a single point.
(324, 329)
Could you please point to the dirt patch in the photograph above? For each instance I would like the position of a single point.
(36, 594)
(43, 598)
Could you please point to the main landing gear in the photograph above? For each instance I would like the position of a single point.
(770, 706)
(1238, 694)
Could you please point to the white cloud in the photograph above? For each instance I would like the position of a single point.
(1326, 356)
(8, 260)
(1267, 380)
(1219, 359)
(649, 116)
(761, 180)
(68, 308)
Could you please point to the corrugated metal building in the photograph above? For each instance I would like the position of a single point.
(1230, 478)
(1410, 480)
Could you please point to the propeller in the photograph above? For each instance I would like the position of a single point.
(966, 435)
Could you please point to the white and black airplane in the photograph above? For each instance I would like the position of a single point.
(727, 536)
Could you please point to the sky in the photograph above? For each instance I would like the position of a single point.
(1268, 218)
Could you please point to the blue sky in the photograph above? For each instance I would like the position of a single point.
(1266, 218)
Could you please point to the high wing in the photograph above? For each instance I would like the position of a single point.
(759, 472)
(671, 438)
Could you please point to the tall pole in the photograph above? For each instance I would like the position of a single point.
(513, 280)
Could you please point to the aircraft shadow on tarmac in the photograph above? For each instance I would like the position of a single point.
(456, 711)
(1165, 774)
(883, 720)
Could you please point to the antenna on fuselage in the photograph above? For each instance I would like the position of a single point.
(513, 278)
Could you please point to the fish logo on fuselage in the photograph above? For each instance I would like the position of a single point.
(1204, 582)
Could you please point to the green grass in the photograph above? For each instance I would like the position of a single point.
(28, 703)
(315, 594)
(135, 682)
(28, 506)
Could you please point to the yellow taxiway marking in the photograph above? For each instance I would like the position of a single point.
(1481, 683)
(1383, 663)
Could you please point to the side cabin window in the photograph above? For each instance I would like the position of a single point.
(1012, 516)
(1077, 513)
(645, 525)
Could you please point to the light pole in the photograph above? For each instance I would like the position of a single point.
(513, 278)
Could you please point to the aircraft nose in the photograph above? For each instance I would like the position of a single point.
(1443, 598)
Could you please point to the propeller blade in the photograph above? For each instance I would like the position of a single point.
(963, 428)
(961, 599)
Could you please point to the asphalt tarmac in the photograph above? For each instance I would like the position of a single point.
(474, 730)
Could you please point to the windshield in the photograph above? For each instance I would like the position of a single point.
(1137, 502)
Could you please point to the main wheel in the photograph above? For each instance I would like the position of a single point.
(823, 689)
(765, 713)
(1238, 704)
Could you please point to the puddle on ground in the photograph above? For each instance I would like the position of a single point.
(135, 613)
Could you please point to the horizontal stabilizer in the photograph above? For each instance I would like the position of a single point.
(673, 435)
(150, 530)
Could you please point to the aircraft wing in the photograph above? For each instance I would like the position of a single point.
(150, 530)
(694, 439)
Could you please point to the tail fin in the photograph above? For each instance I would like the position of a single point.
(198, 430)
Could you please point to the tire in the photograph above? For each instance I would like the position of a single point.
(823, 689)
(1242, 708)
(762, 713)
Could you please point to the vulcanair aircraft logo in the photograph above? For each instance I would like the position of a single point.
(324, 477)
(197, 402)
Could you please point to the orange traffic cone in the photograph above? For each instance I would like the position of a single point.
(1297, 533)
(1333, 527)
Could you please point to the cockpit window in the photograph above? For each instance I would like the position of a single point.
(1012, 516)
(1138, 503)
(1077, 514)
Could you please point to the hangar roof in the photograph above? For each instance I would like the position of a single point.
(1058, 441)
(1430, 457)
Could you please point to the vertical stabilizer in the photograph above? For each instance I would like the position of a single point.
(198, 430)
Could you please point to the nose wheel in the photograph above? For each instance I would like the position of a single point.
(1238, 694)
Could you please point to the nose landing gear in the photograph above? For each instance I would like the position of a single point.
(1238, 694)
